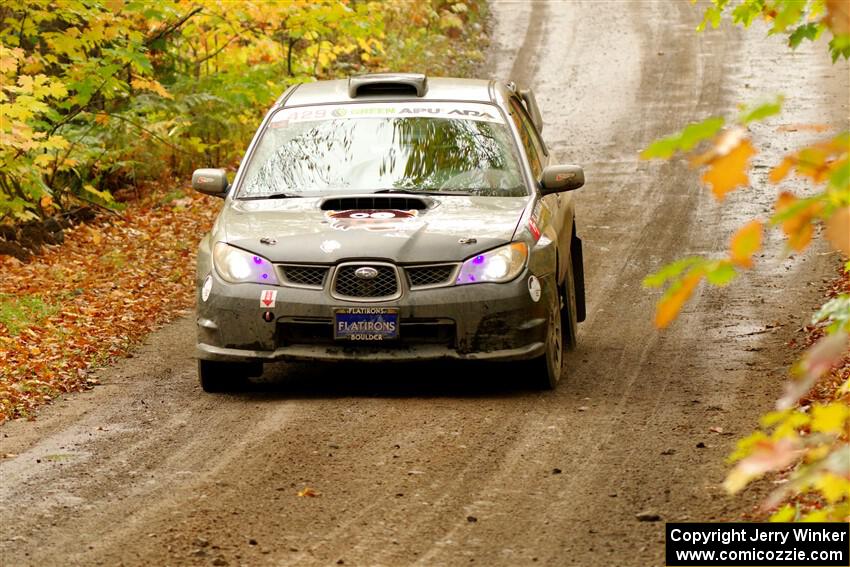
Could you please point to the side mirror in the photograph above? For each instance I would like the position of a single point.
(210, 182)
(558, 178)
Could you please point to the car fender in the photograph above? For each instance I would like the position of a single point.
(204, 262)
(543, 258)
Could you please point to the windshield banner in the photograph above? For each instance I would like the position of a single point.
(450, 110)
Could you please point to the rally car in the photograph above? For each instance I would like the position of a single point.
(391, 217)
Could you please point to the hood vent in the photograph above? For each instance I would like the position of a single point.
(374, 202)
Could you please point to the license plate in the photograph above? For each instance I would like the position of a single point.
(366, 324)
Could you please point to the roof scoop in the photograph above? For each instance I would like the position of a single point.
(409, 84)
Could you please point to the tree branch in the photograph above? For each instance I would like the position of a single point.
(171, 28)
(153, 134)
(217, 51)
(158, 35)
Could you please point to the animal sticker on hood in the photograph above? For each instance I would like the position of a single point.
(373, 220)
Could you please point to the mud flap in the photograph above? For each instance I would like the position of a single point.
(578, 277)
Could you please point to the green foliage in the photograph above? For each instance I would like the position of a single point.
(722, 274)
(432, 41)
(693, 134)
(761, 111)
(810, 31)
(673, 270)
(98, 95)
(810, 443)
(798, 19)
(814, 442)
(717, 272)
(839, 46)
(685, 140)
(835, 313)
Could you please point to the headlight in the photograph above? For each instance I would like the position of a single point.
(237, 266)
(499, 265)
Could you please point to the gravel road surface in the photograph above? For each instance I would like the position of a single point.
(455, 464)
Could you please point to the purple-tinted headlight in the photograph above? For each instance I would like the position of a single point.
(238, 266)
(500, 265)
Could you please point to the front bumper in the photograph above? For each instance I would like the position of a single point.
(471, 322)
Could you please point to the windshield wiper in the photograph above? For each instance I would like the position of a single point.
(271, 196)
(423, 192)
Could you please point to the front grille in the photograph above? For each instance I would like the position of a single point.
(383, 286)
(430, 276)
(305, 276)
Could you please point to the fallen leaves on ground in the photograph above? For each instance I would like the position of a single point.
(828, 387)
(110, 284)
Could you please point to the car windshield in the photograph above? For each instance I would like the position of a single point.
(362, 148)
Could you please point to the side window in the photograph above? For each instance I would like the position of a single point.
(535, 135)
(527, 135)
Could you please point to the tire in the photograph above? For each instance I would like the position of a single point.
(577, 265)
(569, 309)
(217, 376)
(548, 367)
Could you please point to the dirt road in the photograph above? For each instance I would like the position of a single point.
(455, 465)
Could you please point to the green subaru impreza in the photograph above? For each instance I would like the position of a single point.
(391, 217)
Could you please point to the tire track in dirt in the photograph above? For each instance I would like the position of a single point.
(148, 470)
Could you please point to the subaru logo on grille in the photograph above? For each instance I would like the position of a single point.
(366, 273)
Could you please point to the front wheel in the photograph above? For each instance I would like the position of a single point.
(549, 365)
(216, 376)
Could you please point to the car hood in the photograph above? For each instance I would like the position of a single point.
(449, 229)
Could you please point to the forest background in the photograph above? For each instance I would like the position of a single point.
(106, 107)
